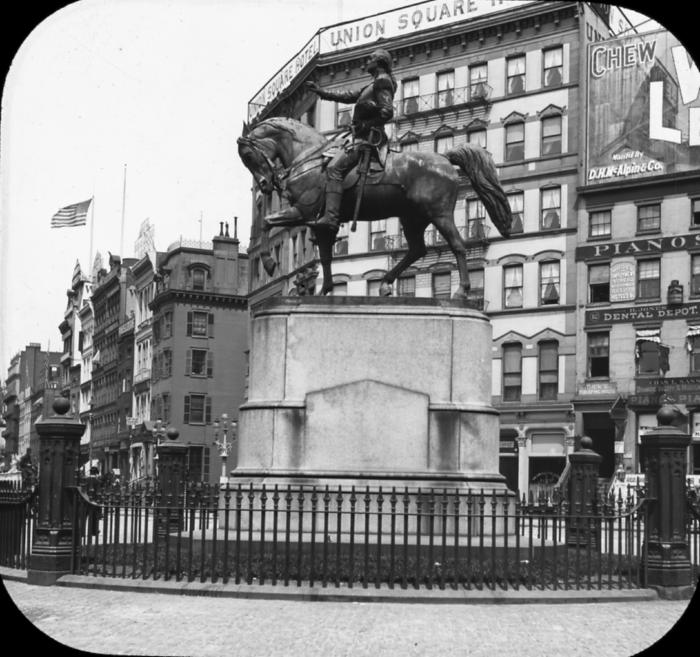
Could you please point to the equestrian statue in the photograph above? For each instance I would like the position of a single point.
(327, 182)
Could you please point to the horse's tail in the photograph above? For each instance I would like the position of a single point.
(478, 164)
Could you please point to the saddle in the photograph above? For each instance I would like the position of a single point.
(377, 166)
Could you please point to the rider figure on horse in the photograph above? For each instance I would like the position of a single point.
(374, 107)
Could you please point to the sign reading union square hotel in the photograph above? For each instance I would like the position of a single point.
(643, 108)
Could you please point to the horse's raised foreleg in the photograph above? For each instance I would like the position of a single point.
(324, 241)
(413, 230)
(448, 230)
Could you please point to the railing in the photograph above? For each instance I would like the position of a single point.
(191, 244)
(479, 92)
(17, 517)
(417, 537)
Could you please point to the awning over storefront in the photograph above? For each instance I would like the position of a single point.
(692, 332)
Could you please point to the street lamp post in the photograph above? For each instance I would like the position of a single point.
(170, 476)
(223, 445)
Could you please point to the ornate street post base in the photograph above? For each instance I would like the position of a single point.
(666, 564)
(171, 480)
(59, 449)
(582, 529)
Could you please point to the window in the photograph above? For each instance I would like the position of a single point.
(550, 202)
(695, 274)
(444, 143)
(515, 141)
(599, 354)
(166, 407)
(166, 363)
(695, 212)
(517, 203)
(373, 288)
(167, 325)
(549, 369)
(340, 246)
(408, 146)
(649, 279)
(648, 355)
(515, 75)
(200, 324)
(445, 88)
(551, 135)
(198, 279)
(343, 118)
(693, 345)
(648, 217)
(477, 137)
(406, 286)
(478, 88)
(512, 372)
(377, 235)
(410, 92)
(339, 290)
(476, 216)
(513, 286)
(199, 362)
(552, 67)
(442, 285)
(549, 282)
(599, 223)
(598, 283)
(197, 409)
(475, 296)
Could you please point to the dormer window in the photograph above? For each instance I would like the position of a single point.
(199, 277)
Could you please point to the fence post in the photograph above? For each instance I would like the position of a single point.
(59, 450)
(583, 489)
(667, 557)
(171, 480)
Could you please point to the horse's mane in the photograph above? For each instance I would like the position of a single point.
(295, 129)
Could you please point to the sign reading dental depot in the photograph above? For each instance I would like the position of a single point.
(643, 108)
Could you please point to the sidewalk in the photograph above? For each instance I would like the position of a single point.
(147, 622)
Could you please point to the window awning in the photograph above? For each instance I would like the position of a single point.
(693, 331)
(650, 335)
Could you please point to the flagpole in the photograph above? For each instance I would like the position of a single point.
(92, 234)
(121, 241)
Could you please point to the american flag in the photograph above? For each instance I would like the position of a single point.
(71, 215)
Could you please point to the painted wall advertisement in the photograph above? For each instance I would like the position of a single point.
(643, 108)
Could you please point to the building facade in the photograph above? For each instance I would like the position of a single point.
(638, 257)
(508, 77)
(200, 333)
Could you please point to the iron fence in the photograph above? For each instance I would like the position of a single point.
(18, 506)
(409, 537)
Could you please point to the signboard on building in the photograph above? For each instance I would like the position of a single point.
(603, 388)
(643, 108)
(672, 386)
(622, 281)
(636, 313)
(409, 20)
(637, 247)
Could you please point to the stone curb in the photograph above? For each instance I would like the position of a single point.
(308, 593)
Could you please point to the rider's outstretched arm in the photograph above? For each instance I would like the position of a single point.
(340, 96)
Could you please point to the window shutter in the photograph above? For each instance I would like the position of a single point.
(188, 364)
(210, 364)
(187, 409)
(211, 325)
(189, 323)
(207, 411)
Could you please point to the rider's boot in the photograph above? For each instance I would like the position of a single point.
(334, 195)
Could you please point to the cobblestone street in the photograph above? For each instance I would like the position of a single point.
(116, 622)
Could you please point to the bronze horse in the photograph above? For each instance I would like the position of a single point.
(420, 188)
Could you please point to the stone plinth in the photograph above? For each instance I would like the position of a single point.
(359, 391)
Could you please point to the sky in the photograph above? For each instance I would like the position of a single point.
(137, 104)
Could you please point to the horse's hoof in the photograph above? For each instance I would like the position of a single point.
(385, 290)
